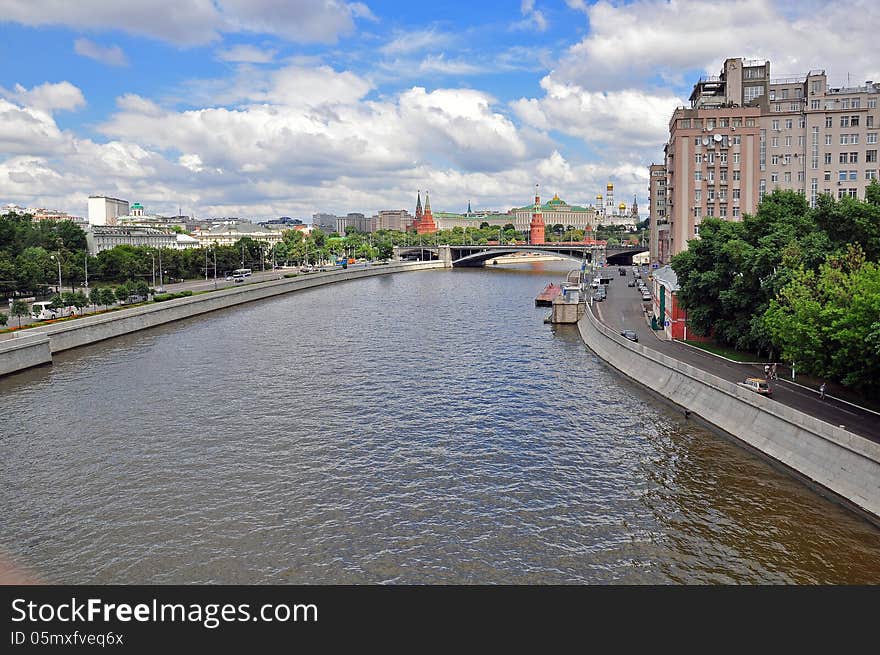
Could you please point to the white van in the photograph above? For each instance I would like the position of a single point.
(42, 311)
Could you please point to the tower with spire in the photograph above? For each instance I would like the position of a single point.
(418, 218)
(536, 226)
(425, 224)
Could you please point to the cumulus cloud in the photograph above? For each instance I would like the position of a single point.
(534, 18)
(48, 97)
(640, 41)
(110, 55)
(195, 22)
(627, 118)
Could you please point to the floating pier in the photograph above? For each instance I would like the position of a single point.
(546, 297)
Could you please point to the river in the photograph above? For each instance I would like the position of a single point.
(422, 427)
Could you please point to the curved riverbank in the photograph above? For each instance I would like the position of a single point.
(35, 346)
(830, 457)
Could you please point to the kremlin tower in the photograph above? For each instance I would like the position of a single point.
(418, 218)
(536, 227)
(424, 222)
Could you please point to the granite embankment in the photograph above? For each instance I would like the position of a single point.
(828, 456)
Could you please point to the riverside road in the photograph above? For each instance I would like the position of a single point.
(624, 310)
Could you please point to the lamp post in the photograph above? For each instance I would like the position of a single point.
(58, 259)
(153, 257)
(214, 251)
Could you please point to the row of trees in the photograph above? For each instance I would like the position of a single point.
(801, 284)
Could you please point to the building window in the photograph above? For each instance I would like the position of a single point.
(722, 122)
(777, 106)
(710, 158)
(710, 176)
(737, 122)
(788, 123)
(762, 189)
(872, 103)
(827, 157)
(736, 194)
(853, 158)
(829, 121)
(774, 177)
(711, 195)
(802, 122)
(853, 175)
(802, 141)
(786, 159)
(698, 158)
(788, 142)
(698, 175)
(844, 104)
(722, 212)
(752, 92)
(814, 191)
(869, 121)
(684, 123)
(801, 176)
(710, 124)
(696, 141)
(750, 122)
(698, 195)
(844, 121)
(870, 156)
(814, 104)
(736, 158)
(827, 176)
(854, 120)
(794, 106)
(854, 138)
(871, 137)
(787, 176)
(774, 160)
(814, 87)
(844, 139)
(870, 175)
(697, 211)
(774, 142)
(722, 157)
(775, 124)
(853, 193)
(736, 175)
(736, 212)
(828, 139)
(736, 140)
(841, 176)
(842, 158)
(723, 175)
(856, 103)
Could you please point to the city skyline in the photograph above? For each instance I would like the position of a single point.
(296, 108)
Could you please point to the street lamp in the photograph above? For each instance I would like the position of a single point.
(58, 259)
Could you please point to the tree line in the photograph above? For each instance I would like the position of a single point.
(800, 284)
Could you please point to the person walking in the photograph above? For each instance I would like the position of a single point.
(773, 372)
(822, 391)
(767, 371)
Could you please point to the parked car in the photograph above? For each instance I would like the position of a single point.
(646, 297)
(757, 385)
(598, 297)
(621, 271)
(631, 283)
(630, 334)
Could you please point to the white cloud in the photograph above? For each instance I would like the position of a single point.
(110, 55)
(415, 41)
(440, 64)
(626, 119)
(48, 97)
(248, 54)
(534, 18)
(195, 22)
(633, 43)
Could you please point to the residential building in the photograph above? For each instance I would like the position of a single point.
(104, 210)
(746, 134)
(325, 222)
(228, 235)
(659, 233)
(392, 219)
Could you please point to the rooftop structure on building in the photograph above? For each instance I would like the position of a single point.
(104, 210)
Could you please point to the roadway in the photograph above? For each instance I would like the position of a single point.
(624, 309)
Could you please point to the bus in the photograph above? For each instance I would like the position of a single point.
(43, 311)
(244, 272)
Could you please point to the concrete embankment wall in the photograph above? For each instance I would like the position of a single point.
(29, 349)
(24, 351)
(834, 458)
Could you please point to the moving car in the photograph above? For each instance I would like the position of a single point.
(630, 334)
(646, 296)
(598, 297)
(238, 279)
(631, 283)
(757, 385)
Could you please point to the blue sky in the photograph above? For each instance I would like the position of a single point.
(277, 107)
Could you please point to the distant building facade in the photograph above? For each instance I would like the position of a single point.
(104, 210)
(105, 237)
(228, 235)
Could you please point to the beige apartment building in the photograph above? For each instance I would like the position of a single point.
(746, 134)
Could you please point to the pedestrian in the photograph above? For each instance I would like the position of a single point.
(773, 373)
(767, 371)
(822, 391)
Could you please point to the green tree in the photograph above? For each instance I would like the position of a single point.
(96, 297)
(107, 296)
(3, 319)
(19, 308)
(829, 321)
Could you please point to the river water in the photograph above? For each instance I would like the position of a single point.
(417, 428)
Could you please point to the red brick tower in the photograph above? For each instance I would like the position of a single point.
(418, 218)
(536, 227)
(426, 224)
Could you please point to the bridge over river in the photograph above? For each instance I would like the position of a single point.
(478, 255)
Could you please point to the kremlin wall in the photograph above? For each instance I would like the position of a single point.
(531, 217)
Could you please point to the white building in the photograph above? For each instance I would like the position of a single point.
(105, 237)
(185, 242)
(228, 235)
(104, 210)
